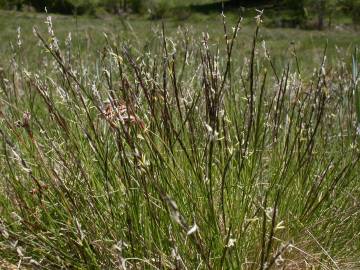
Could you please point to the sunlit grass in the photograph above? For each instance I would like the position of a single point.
(178, 150)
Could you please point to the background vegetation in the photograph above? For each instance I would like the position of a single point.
(293, 13)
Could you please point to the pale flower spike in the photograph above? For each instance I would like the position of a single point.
(258, 18)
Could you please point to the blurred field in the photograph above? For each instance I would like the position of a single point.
(89, 35)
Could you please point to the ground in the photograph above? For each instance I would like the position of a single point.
(7, 266)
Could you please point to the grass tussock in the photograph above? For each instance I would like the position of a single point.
(178, 156)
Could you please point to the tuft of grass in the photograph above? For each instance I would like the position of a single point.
(177, 155)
